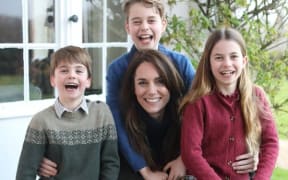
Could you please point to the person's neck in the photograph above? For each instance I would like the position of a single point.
(227, 91)
(155, 48)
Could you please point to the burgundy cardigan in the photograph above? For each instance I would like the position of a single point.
(213, 135)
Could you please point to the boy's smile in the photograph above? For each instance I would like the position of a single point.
(145, 26)
(71, 80)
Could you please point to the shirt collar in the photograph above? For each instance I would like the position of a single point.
(60, 109)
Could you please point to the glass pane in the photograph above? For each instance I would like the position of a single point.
(115, 22)
(11, 75)
(96, 56)
(92, 21)
(10, 21)
(41, 21)
(39, 70)
(113, 53)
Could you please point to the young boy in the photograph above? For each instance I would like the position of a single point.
(77, 134)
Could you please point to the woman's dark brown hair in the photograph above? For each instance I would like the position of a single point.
(131, 109)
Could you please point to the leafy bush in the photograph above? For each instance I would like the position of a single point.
(262, 23)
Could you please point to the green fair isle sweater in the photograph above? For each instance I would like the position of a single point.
(84, 145)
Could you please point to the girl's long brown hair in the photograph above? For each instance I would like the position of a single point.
(131, 109)
(204, 83)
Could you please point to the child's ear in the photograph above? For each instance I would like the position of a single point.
(88, 84)
(52, 80)
(164, 24)
(127, 27)
(245, 60)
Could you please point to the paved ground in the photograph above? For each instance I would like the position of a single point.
(283, 154)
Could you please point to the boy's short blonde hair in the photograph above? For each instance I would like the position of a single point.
(71, 54)
(157, 4)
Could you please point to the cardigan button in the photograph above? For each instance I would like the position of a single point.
(229, 163)
(232, 118)
(231, 139)
(227, 178)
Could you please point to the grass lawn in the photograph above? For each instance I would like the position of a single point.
(282, 117)
(279, 174)
(282, 126)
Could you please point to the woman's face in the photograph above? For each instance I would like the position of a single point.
(150, 91)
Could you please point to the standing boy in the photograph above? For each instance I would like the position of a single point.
(77, 134)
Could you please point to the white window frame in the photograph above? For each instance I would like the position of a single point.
(65, 32)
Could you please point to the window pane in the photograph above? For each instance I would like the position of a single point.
(39, 70)
(11, 75)
(93, 21)
(41, 21)
(115, 22)
(96, 56)
(10, 21)
(113, 53)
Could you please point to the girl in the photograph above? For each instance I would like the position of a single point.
(225, 115)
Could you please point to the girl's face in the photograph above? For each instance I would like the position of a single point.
(145, 26)
(227, 63)
(71, 80)
(150, 91)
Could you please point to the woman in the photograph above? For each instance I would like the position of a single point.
(152, 90)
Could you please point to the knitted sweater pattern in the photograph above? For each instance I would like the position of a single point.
(84, 145)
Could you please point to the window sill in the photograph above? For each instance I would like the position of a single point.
(19, 109)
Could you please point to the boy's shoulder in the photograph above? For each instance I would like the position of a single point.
(101, 111)
(44, 112)
(42, 116)
(98, 106)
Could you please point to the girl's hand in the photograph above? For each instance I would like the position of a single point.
(148, 174)
(47, 168)
(246, 163)
(176, 169)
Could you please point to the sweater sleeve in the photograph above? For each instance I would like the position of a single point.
(31, 155)
(114, 76)
(269, 141)
(110, 163)
(191, 140)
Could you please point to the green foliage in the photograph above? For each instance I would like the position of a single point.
(263, 25)
(279, 174)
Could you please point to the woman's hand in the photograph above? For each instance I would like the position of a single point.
(47, 168)
(246, 163)
(148, 174)
(176, 169)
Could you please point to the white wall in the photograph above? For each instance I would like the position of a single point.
(12, 132)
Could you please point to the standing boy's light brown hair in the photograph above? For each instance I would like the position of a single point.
(71, 54)
(158, 5)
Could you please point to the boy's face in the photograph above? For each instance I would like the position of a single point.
(145, 26)
(71, 80)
